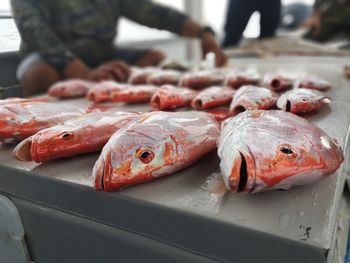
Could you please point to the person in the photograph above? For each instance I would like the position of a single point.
(65, 39)
(239, 12)
(330, 18)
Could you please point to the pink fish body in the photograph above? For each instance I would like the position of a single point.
(19, 121)
(134, 94)
(155, 144)
(212, 97)
(302, 101)
(84, 134)
(278, 82)
(252, 98)
(202, 79)
(70, 88)
(171, 97)
(313, 82)
(15, 100)
(242, 78)
(140, 75)
(265, 150)
(102, 91)
(164, 77)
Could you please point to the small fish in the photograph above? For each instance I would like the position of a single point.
(302, 101)
(171, 97)
(164, 77)
(19, 121)
(212, 97)
(153, 145)
(238, 79)
(139, 76)
(85, 134)
(265, 150)
(277, 82)
(103, 90)
(312, 82)
(203, 79)
(134, 94)
(15, 100)
(70, 88)
(252, 98)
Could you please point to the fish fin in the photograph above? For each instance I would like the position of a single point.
(214, 184)
(22, 150)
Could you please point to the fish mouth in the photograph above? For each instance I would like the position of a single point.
(155, 102)
(242, 177)
(22, 151)
(276, 84)
(237, 110)
(288, 106)
(197, 104)
(98, 174)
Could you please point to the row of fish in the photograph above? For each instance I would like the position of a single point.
(259, 150)
(194, 80)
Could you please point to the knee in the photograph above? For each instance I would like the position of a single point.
(39, 78)
(151, 58)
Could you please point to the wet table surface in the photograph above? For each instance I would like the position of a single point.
(304, 214)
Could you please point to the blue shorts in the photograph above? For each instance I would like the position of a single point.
(128, 55)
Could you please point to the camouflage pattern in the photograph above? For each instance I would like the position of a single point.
(335, 18)
(65, 29)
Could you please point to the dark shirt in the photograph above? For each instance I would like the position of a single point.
(65, 29)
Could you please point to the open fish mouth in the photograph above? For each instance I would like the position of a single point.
(243, 173)
(98, 174)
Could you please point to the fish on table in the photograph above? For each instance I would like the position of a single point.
(278, 82)
(265, 150)
(164, 77)
(237, 79)
(154, 145)
(134, 94)
(212, 97)
(140, 75)
(312, 82)
(203, 79)
(16, 100)
(102, 91)
(70, 88)
(19, 121)
(252, 98)
(84, 134)
(302, 101)
(170, 97)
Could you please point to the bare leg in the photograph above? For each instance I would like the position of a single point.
(39, 78)
(151, 58)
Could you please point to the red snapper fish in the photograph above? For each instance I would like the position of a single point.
(277, 82)
(212, 97)
(19, 121)
(140, 75)
(70, 88)
(164, 77)
(103, 90)
(134, 94)
(238, 79)
(302, 101)
(265, 150)
(252, 98)
(203, 79)
(170, 97)
(312, 82)
(85, 134)
(153, 145)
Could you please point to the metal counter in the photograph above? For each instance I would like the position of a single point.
(172, 219)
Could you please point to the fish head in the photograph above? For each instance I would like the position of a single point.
(134, 155)
(265, 156)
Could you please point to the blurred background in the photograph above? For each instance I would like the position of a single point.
(208, 12)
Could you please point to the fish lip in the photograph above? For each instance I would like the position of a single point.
(99, 174)
(22, 151)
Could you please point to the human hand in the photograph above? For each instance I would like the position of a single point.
(314, 23)
(115, 70)
(209, 44)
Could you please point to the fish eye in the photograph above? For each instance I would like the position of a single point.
(66, 135)
(286, 149)
(145, 156)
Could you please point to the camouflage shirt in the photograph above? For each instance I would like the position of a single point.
(65, 29)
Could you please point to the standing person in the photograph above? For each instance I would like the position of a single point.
(239, 12)
(65, 39)
(330, 17)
